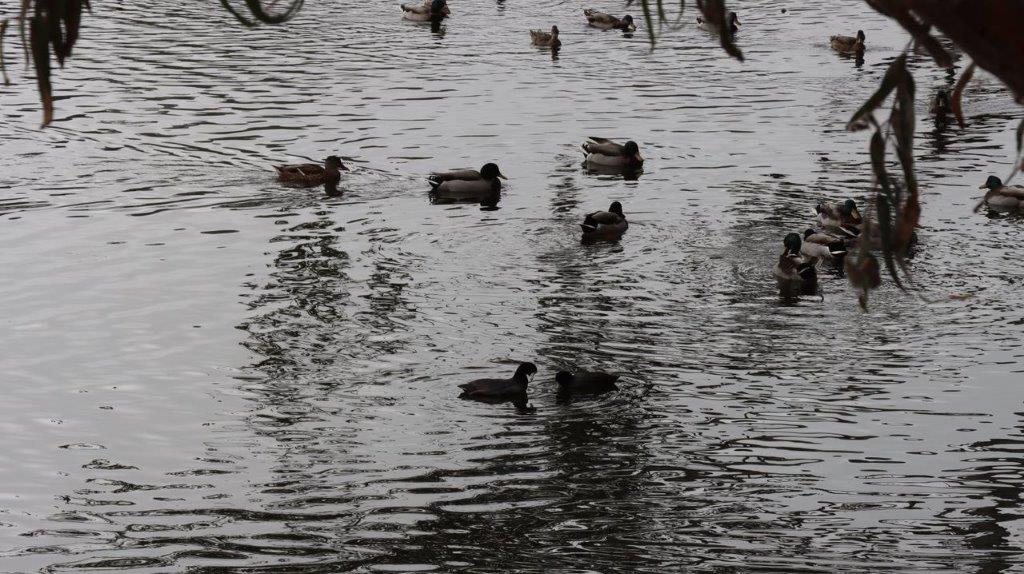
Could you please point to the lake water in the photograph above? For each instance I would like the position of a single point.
(205, 371)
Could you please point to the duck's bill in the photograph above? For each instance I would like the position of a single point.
(639, 157)
(342, 167)
(502, 176)
(983, 186)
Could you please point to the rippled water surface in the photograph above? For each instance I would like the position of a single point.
(205, 371)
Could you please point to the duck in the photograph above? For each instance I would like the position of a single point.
(733, 20)
(605, 225)
(1001, 197)
(609, 22)
(941, 104)
(844, 216)
(793, 269)
(500, 388)
(483, 186)
(311, 174)
(848, 44)
(585, 382)
(822, 246)
(428, 11)
(542, 38)
(603, 151)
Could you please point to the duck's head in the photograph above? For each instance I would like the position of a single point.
(554, 31)
(808, 233)
(439, 8)
(490, 171)
(616, 208)
(334, 162)
(861, 36)
(734, 20)
(627, 23)
(633, 151)
(792, 243)
(563, 377)
(848, 207)
(992, 182)
(525, 371)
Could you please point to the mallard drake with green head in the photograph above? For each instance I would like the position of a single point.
(500, 388)
(1001, 197)
(793, 269)
(841, 216)
(609, 22)
(428, 11)
(311, 174)
(542, 38)
(603, 151)
(482, 186)
(848, 44)
(605, 225)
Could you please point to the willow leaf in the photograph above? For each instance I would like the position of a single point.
(958, 93)
(892, 77)
(3, 68)
(650, 24)
(39, 36)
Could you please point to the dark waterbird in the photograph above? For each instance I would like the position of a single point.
(585, 382)
(733, 20)
(605, 225)
(429, 11)
(311, 174)
(509, 389)
(848, 44)
(608, 22)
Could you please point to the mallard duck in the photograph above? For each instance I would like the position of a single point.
(605, 225)
(482, 186)
(941, 104)
(585, 382)
(848, 44)
(793, 269)
(733, 19)
(542, 38)
(1001, 197)
(499, 388)
(822, 245)
(608, 22)
(429, 10)
(311, 174)
(843, 217)
(602, 151)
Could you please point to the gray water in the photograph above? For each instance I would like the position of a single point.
(205, 371)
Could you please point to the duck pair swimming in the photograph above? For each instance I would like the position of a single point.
(515, 387)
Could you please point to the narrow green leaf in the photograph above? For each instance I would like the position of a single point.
(647, 18)
(39, 34)
(3, 68)
(889, 81)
